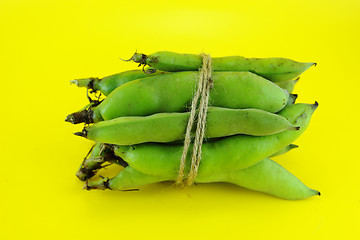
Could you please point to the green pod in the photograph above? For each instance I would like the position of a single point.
(226, 154)
(173, 92)
(265, 176)
(284, 150)
(107, 84)
(288, 85)
(274, 69)
(127, 178)
(169, 127)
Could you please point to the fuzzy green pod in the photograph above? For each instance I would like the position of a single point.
(268, 177)
(274, 69)
(169, 127)
(127, 178)
(107, 84)
(173, 93)
(222, 155)
(265, 176)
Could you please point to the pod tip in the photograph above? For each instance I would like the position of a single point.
(315, 105)
(79, 134)
(70, 118)
(297, 128)
(83, 133)
(76, 82)
(86, 186)
(79, 117)
(84, 174)
(102, 184)
(315, 64)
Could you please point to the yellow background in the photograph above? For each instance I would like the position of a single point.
(45, 44)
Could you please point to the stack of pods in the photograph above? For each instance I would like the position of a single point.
(141, 122)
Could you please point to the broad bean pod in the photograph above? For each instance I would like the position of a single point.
(274, 69)
(91, 165)
(265, 176)
(169, 127)
(107, 84)
(173, 93)
(222, 155)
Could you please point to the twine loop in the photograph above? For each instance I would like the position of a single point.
(199, 105)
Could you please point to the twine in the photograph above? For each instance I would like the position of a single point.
(205, 84)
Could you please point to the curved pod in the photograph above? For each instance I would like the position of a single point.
(173, 93)
(227, 154)
(274, 69)
(169, 127)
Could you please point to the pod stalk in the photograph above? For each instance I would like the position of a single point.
(84, 116)
(315, 105)
(102, 184)
(295, 96)
(293, 146)
(91, 166)
(85, 82)
(83, 133)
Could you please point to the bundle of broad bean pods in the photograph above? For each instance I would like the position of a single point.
(141, 123)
